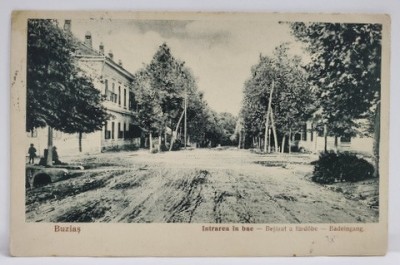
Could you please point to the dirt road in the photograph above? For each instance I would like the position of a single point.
(207, 186)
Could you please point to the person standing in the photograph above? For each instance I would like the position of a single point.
(32, 154)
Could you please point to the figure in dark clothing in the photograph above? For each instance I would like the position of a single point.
(56, 161)
(32, 154)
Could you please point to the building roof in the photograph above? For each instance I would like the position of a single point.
(87, 52)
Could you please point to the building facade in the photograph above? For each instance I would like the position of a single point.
(114, 82)
(312, 141)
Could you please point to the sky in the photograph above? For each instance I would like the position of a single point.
(220, 53)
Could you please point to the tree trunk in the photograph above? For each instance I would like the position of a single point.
(151, 141)
(274, 130)
(240, 136)
(316, 143)
(325, 138)
(49, 161)
(266, 136)
(336, 143)
(290, 141)
(173, 138)
(80, 142)
(377, 136)
(283, 144)
(159, 142)
(269, 140)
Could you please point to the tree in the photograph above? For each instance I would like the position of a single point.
(57, 95)
(83, 110)
(228, 124)
(161, 88)
(295, 101)
(165, 74)
(150, 114)
(49, 67)
(277, 97)
(346, 68)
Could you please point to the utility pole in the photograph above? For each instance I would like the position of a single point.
(185, 116)
(267, 137)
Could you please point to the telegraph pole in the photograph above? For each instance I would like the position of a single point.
(185, 116)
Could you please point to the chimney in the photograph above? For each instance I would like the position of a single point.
(111, 55)
(88, 39)
(120, 62)
(67, 25)
(101, 48)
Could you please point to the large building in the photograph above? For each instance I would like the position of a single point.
(115, 83)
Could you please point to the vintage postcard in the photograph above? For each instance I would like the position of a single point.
(199, 134)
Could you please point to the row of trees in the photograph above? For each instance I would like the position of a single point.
(170, 104)
(339, 86)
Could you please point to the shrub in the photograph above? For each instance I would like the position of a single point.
(334, 167)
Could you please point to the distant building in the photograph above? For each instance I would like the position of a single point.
(313, 141)
(115, 83)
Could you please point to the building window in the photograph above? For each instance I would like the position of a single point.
(119, 95)
(304, 133)
(113, 96)
(106, 87)
(120, 133)
(112, 130)
(125, 135)
(107, 133)
(124, 97)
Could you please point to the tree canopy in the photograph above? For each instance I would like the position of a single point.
(161, 89)
(58, 94)
(345, 68)
(277, 91)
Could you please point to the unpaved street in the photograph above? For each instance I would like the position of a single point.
(203, 185)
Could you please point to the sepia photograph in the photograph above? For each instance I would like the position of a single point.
(199, 121)
(263, 124)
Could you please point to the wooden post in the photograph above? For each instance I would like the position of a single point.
(185, 117)
(266, 138)
(274, 129)
(176, 131)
